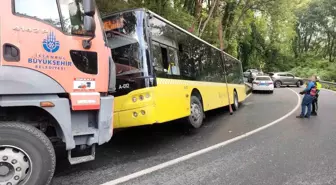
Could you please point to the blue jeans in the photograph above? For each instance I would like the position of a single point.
(306, 102)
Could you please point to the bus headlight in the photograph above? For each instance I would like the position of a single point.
(147, 95)
(141, 97)
(134, 99)
(135, 114)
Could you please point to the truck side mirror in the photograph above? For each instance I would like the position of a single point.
(89, 28)
(89, 7)
(89, 25)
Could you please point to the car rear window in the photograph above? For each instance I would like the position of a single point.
(263, 78)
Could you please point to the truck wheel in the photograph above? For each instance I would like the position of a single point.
(27, 156)
(196, 116)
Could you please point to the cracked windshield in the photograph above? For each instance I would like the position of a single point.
(171, 92)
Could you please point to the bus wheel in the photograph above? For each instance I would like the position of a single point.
(196, 116)
(236, 101)
(26, 155)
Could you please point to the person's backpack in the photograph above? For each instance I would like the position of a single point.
(313, 90)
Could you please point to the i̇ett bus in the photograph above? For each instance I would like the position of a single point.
(166, 73)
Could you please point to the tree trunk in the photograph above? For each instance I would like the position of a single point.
(298, 44)
(237, 23)
(295, 47)
(209, 17)
(199, 26)
(328, 50)
(309, 40)
(331, 51)
(220, 34)
(228, 18)
(198, 8)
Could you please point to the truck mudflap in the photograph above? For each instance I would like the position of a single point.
(92, 137)
(105, 119)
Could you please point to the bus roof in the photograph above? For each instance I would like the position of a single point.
(170, 23)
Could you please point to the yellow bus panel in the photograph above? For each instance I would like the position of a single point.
(170, 100)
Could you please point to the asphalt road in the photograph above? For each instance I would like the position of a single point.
(286, 152)
(293, 151)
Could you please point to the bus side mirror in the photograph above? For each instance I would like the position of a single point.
(89, 7)
(89, 25)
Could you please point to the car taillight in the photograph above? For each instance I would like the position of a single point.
(270, 83)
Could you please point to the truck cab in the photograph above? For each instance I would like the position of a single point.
(56, 77)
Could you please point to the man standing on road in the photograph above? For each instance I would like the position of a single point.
(250, 77)
(309, 95)
(315, 101)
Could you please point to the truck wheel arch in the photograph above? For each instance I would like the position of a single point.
(60, 113)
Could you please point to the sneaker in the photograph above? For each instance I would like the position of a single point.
(307, 117)
(299, 117)
(314, 114)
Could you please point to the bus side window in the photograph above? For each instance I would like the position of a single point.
(158, 64)
(173, 62)
(164, 53)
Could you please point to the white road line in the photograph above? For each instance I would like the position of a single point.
(200, 152)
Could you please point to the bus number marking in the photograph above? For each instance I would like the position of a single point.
(124, 86)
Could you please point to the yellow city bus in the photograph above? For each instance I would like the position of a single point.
(165, 73)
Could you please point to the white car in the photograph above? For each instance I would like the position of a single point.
(263, 83)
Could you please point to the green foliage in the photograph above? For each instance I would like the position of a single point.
(273, 35)
(313, 65)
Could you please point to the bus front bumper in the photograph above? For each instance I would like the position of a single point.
(135, 117)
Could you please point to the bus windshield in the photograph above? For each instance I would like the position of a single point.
(126, 37)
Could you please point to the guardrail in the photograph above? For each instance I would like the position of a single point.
(325, 84)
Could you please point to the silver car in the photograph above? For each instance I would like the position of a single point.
(283, 78)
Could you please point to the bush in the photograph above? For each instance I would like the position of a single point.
(312, 66)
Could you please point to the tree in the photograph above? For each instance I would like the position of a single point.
(274, 35)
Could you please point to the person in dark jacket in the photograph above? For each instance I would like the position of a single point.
(309, 95)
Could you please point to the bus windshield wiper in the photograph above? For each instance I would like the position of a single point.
(143, 77)
(132, 79)
(129, 72)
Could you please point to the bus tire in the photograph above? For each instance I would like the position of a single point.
(196, 116)
(235, 105)
(27, 155)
